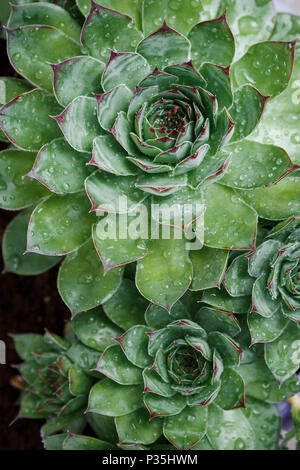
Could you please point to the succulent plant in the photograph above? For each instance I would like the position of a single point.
(167, 103)
(270, 275)
(155, 380)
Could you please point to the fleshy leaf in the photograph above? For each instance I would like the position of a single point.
(31, 56)
(60, 224)
(264, 330)
(164, 284)
(164, 47)
(79, 123)
(164, 406)
(229, 430)
(263, 302)
(111, 399)
(134, 343)
(219, 298)
(275, 202)
(116, 250)
(136, 427)
(48, 14)
(27, 129)
(106, 191)
(181, 19)
(53, 164)
(255, 165)
(283, 354)
(267, 433)
(111, 103)
(14, 245)
(126, 308)
(76, 442)
(95, 330)
(122, 33)
(229, 351)
(157, 317)
(209, 268)
(237, 280)
(213, 319)
(114, 364)
(29, 344)
(251, 22)
(261, 384)
(246, 111)
(17, 192)
(229, 222)
(267, 66)
(78, 76)
(127, 7)
(124, 68)
(79, 382)
(232, 392)
(81, 282)
(187, 428)
(212, 41)
(218, 83)
(109, 156)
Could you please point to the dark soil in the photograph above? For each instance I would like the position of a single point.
(27, 304)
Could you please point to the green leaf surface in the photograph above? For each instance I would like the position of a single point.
(14, 245)
(165, 47)
(59, 224)
(254, 165)
(219, 298)
(283, 354)
(232, 392)
(76, 442)
(45, 14)
(126, 308)
(81, 281)
(111, 103)
(251, 22)
(218, 83)
(94, 329)
(124, 68)
(212, 41)
(60, 168)
(116, 366)
(26, 120)
(246, 111)
(213, 319)
(265, 421)
(229, 222)
(157, 317)
(134, 343)
(79, 382)
(111, 399)
(267, 66)
(185, 429)
(275, 202)
(265, 330)
(122, 33)
(209, 266)
(229, 351)
(181, 19)
(17, 192)
(31, 56)
(136, 428)
(83, 356)
(237, 280)
(78, 76)
(79, 123)
(109, 156)
(164, 406)
(29, 344)
(229, 430)
(164, 283)
(261, 384)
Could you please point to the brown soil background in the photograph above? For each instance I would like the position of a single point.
(27, 305)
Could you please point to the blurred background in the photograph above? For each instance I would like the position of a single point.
(28, 304)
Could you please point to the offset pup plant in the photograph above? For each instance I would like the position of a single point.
(124, 107)
(181, 379)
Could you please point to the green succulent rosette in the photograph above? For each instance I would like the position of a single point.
(146, 379)
(163, 102)
(270, 275)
